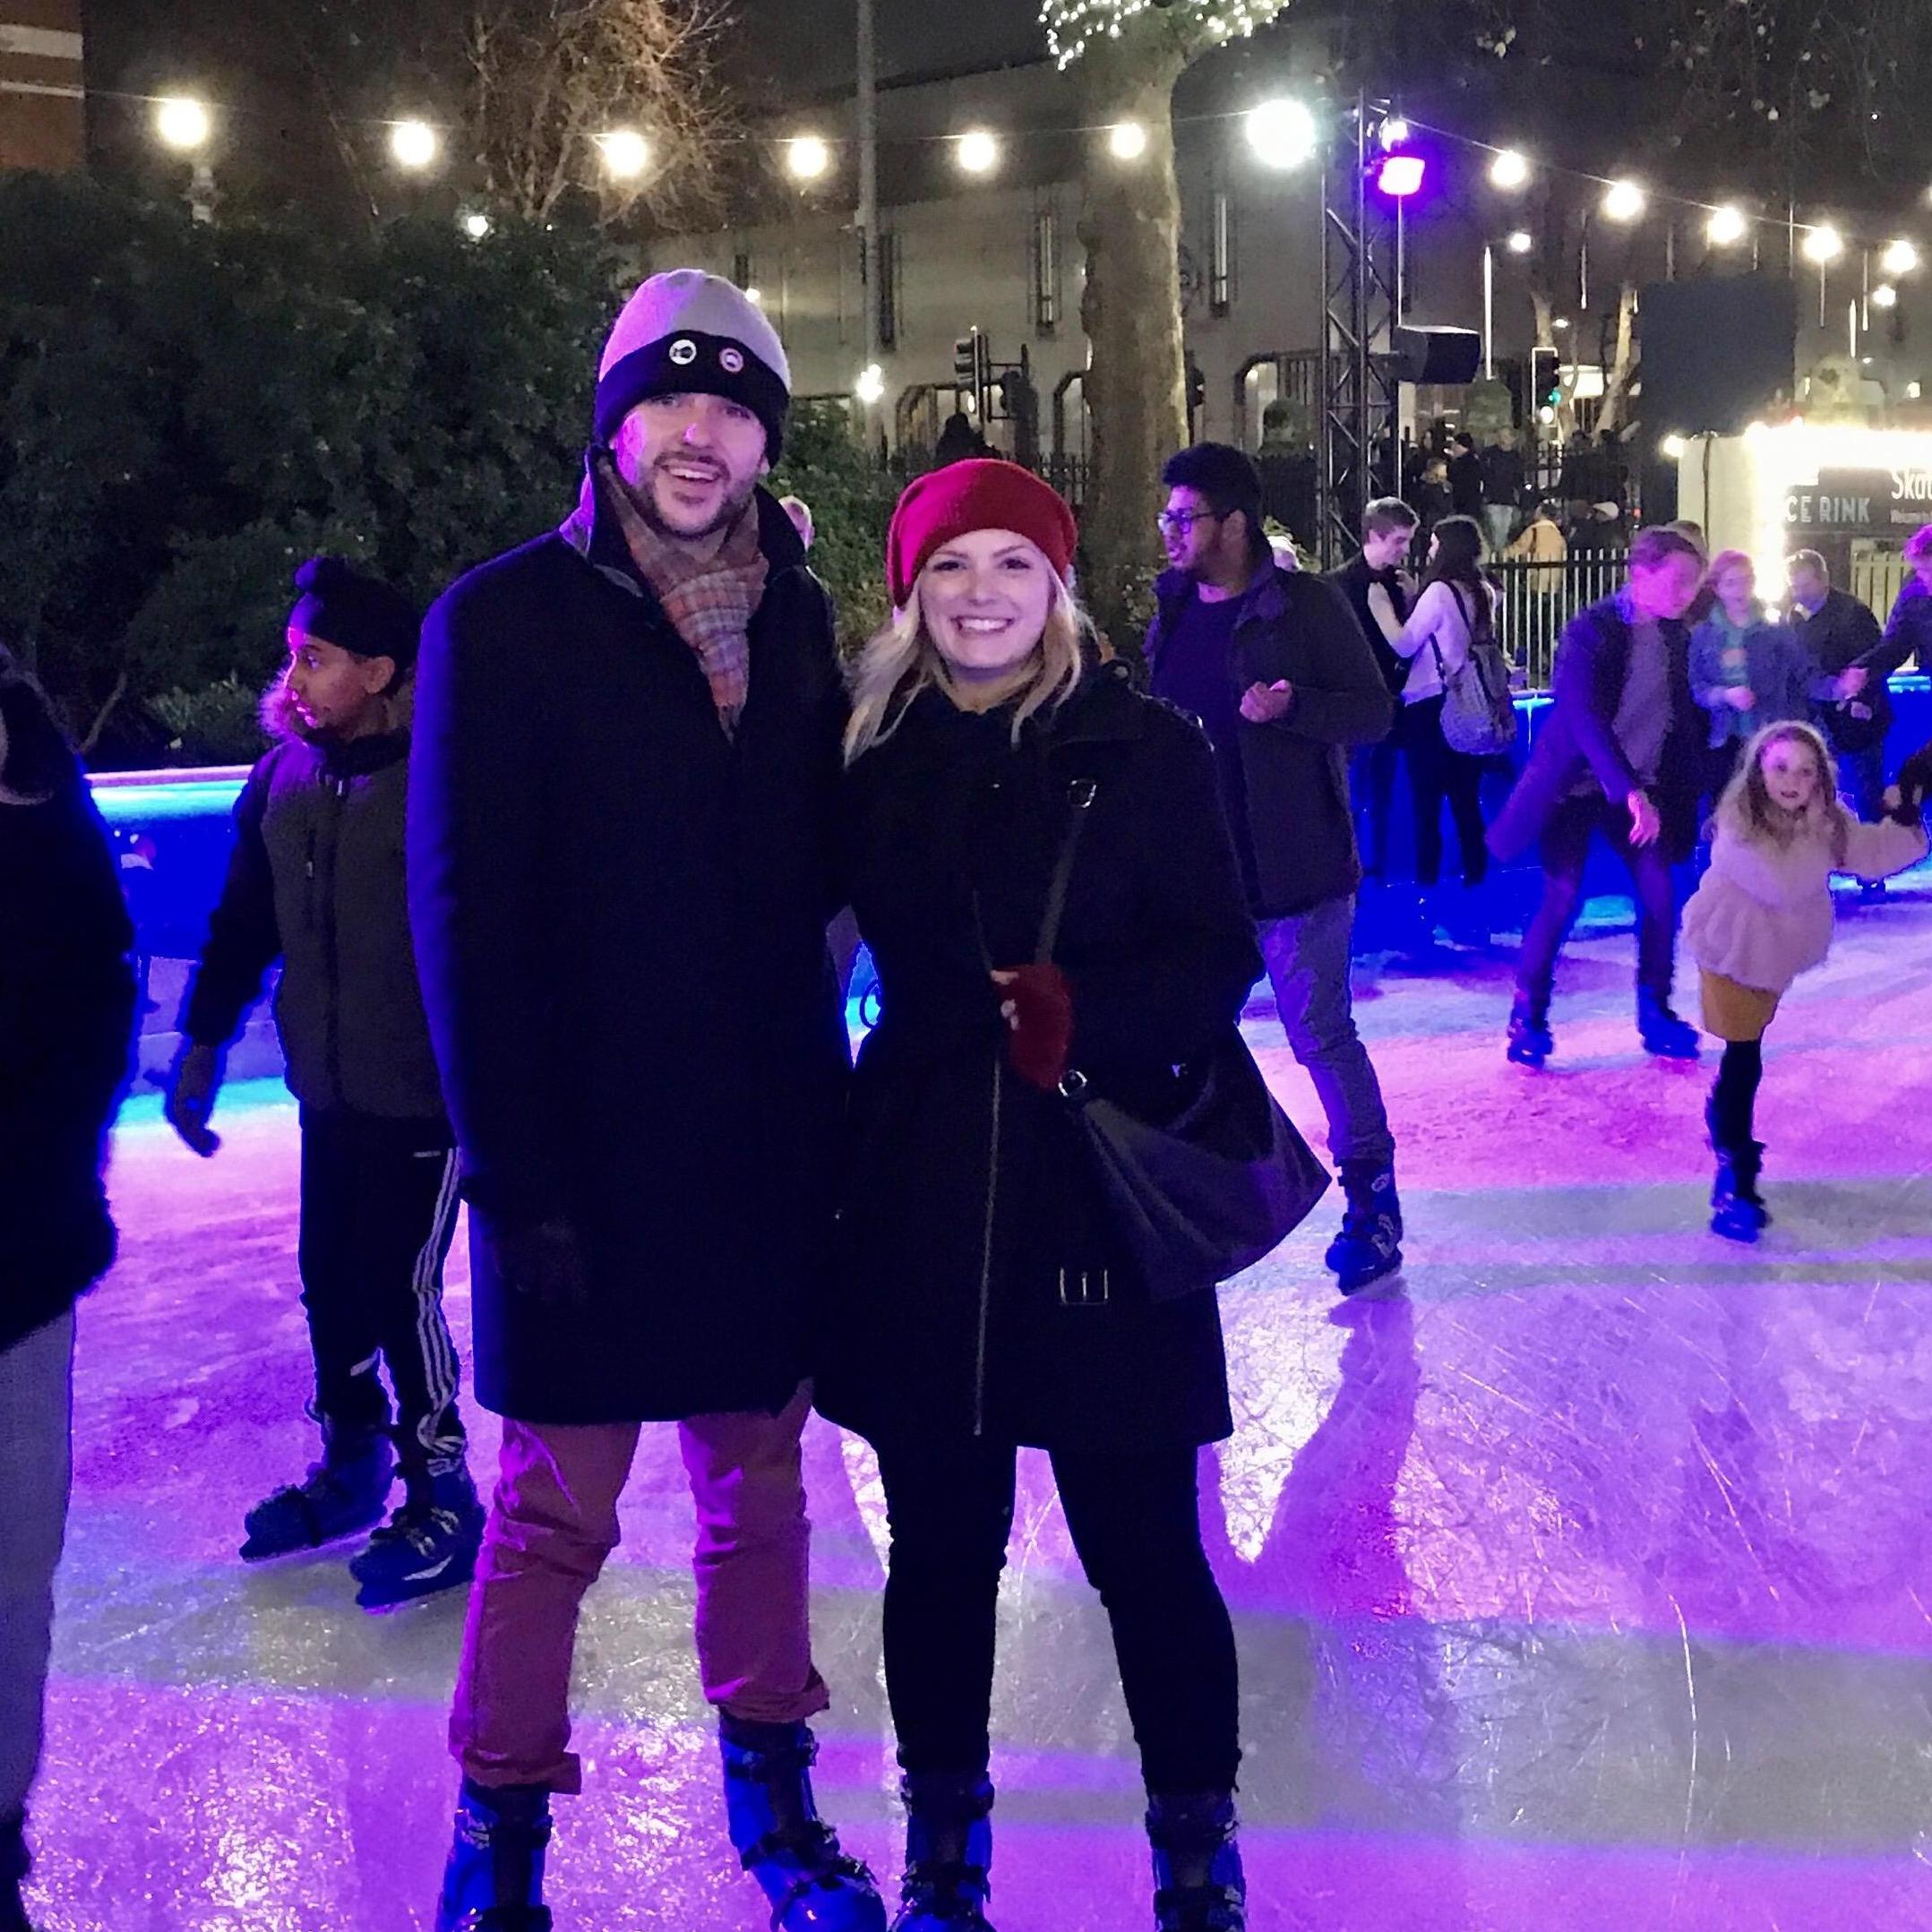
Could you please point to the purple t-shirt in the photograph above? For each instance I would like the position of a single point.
(1196, 674)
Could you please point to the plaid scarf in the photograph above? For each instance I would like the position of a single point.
(709, 602)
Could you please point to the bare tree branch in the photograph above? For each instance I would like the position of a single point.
(548, 77)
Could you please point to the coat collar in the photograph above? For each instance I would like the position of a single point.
(1265, 600)
(592, 531)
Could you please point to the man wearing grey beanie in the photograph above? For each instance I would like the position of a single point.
(624, 770)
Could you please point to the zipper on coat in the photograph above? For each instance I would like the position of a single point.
(338, 790)
(985, 1259)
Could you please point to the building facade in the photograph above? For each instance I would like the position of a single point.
(42, 96)
(1002, 254)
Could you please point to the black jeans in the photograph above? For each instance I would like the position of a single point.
(1566, 845)
(378, 1212)
(1437, 772)
(1372, 785)
(1136, 1524)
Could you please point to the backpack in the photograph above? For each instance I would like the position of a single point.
(1478, 718)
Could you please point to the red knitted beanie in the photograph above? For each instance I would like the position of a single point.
(980, 494)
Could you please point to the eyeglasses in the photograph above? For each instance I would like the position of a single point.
(1181, 522)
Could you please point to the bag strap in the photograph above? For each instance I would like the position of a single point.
(1080, 795)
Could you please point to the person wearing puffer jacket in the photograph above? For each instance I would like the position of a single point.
(1762, 916)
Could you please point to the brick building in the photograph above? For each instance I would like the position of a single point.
(42, 97)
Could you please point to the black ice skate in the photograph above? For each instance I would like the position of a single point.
(344, 1493)
(1663, 1033)
(1370, 1244)
(1531, 1041)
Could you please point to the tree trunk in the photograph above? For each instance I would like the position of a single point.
(1136, 385)
(92, 737)
(1623, 365)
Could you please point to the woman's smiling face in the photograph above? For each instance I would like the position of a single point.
(984, 598)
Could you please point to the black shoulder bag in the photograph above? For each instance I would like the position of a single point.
(1220, 1182)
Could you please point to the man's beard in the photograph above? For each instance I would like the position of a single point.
(644, 496)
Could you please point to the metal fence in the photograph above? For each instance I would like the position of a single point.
(1540, 598)
(1876, 580)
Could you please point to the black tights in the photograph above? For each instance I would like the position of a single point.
(1136, 1524)
(1738, 1073)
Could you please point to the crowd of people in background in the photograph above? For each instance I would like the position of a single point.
(1069, 884)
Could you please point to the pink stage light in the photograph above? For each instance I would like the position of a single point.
(1401, 176)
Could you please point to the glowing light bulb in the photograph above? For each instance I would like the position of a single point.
(1824, 244)
(977, 152)
(1127, 140)
(626, 153)
(1726, 225)
(1282, 133)
(1510, 169)
(414, 144)
(807, 157)
(1623, 201)
(182, 123)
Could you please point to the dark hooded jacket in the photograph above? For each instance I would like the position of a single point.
(1293, 824)
(620, 915)
(66, 1024)
(316, 880)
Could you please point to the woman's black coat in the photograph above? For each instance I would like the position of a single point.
(948, 1318)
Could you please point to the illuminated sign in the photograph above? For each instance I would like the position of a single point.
(1861, 502)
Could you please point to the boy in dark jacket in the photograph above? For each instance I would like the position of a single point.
(66, 1019)
(1387, 534)
(1280, 674)
(316, 881)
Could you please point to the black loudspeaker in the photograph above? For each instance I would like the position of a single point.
(1436, 356)
(1718, 352)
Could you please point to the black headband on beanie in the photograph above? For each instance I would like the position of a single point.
(354, 612)
(692, 363)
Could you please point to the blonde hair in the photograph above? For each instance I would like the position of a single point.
(901, 660)
(1748, 811)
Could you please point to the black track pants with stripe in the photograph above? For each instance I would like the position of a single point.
(378, 1212)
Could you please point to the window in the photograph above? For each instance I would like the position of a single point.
(886, 260)
(1220, 254)
(1046, 269)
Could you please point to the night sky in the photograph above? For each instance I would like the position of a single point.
(274, 76)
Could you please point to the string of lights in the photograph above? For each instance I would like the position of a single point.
(1282, 134)
(1072, 26)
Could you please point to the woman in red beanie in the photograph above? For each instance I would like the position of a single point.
(985, 1301)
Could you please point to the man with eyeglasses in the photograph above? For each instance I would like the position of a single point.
(1274, 663)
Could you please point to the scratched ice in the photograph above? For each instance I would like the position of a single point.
(1583, 1584)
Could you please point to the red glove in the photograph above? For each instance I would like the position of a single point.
(1037, 1004)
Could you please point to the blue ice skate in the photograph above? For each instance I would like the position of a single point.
(1198, 1885)
(780, 1839)
(429, 1544)
(948, 1853)
(495, 1879)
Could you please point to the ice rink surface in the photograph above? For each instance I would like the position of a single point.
(1582, 1580)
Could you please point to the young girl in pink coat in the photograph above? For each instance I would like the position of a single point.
(1763, 914)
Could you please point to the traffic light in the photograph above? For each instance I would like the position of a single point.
(965, 360)
(1545, 377)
